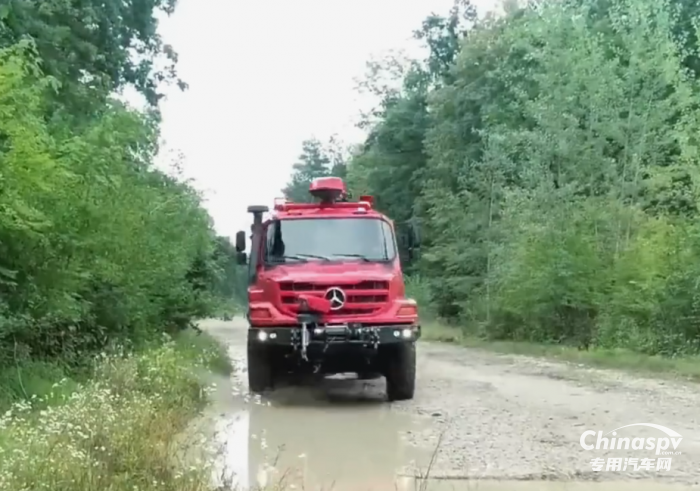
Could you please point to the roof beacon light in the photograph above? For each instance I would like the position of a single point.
(327, 189)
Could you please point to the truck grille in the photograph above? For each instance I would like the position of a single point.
(363, 298)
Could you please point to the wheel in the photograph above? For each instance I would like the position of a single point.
(260, 373)
(401, 373)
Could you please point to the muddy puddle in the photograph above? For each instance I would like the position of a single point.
(341, 436)
(317, 438)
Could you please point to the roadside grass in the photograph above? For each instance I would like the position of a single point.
(228, 309)
(204, 351)
(683, 367)
(118, 429)
(34, 379)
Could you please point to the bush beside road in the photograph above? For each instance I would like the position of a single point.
(686, 367)
(468, 335)
(103, 253)
(118, 430)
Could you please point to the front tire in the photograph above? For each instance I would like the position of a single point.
(401, 373)
(260, 373)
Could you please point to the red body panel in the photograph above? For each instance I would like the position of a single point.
(375, 291)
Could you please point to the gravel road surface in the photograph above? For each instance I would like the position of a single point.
(486, 421)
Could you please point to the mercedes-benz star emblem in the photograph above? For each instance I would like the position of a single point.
(336, 296)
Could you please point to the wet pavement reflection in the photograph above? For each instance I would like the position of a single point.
(343, 437)
(334, 435)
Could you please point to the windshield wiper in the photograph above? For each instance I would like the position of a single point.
(303, 256)
(280, 259)
(359, 256)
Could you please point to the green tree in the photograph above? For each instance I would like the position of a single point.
(316, 160)
(391, 164)
(97, 245)
(551, 158)
(93, 48)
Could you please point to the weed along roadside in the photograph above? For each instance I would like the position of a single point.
(685, 367)
(118, 430)
(472, 336)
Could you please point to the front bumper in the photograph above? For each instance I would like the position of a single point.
(347, 335)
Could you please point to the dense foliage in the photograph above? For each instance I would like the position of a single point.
(316, 160)
(96, 244)
(551, 157)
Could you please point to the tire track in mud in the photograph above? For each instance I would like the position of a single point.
(491, 417)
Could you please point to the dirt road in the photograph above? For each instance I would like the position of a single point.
(509, 422)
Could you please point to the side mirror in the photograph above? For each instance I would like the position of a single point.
(406, 239)
(409, 235)
(415, 236)
(409, 243)
(240, 241)
(242, 258)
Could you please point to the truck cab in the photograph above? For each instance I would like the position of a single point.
(326, 293)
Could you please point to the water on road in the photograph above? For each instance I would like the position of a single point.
(478, 421)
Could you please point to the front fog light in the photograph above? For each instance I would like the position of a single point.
(262, 336)
(407, 333)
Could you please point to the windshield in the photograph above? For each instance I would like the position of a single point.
(365, 239)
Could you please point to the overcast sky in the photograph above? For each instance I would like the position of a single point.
(264, 76)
